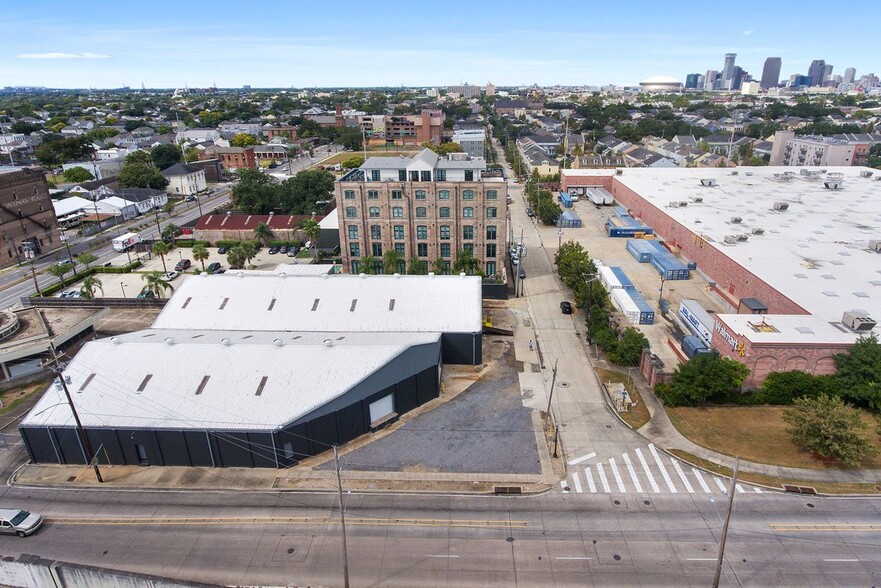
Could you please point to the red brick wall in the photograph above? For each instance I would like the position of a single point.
(602, 181)
(729, 275)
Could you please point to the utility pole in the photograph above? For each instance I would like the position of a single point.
(339, 486)
(731, 490)
(551, 395)
(87, 446)
(34, 275)
(63, 237)
(158, 229)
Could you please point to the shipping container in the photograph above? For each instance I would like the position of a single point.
(622, 301)
(623, 279)
(569, 220)
(692, 346)
(600, 196)
(620, 211)
(608, 278)
(696, 319)
(669, 267)
(565, 199)
(646, 312)
(641, 250)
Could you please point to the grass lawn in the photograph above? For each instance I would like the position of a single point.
(755, 433)
(341, 157)
(12, 397)
(638, 415)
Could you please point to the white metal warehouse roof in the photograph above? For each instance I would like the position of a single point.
(157, 378)
(337, 303)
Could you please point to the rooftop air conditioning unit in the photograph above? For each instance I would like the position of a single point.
(709, 182)
(736, 220)
(749, 173)
(781, 206)
(758, 231)
(875, 245)
(619, 172)
(832, 185)
(730, 239)
(734, 172)
(683, 203)
(858, 320)
(742, 237)
(697, 199)
(866, 174)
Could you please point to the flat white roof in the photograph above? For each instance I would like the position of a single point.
(157, 378)
(815, 253)
(337, 303)
(788, 329)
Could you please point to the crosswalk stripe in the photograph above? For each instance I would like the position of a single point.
(700, 478)
(739, 488)
(617, 475)
(632, 471)
(589, 475)
(648, 472)
(758, 490)
(721, 485)
(576, 482)
(563, 485)
(603, 479)
(682, 476)
(663, 469)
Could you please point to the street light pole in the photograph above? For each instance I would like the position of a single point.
(69, 256)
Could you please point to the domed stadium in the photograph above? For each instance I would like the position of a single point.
(660, 84)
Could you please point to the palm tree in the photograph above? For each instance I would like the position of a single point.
(417, 267)
(171, 231)
(438, 266)
(160, 248)
(369, 263)
(393, 262)
(156, 283)
(263, 233)
(200, 253)
(311, 231)
(249, 250)
(466, 262)
(90, 283)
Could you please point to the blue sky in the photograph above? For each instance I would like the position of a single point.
(66, 44)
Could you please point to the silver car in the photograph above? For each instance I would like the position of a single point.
(20, 522)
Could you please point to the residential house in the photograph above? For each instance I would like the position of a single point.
(536, 158)
(284, 131)
(236, 127)
(270, 152)
(185, 180)
(197, 135)
(597, 161)
(472, 141)
(145, 199)
(513, 107)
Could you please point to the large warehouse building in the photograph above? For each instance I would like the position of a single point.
(260, 370)
(804, 244)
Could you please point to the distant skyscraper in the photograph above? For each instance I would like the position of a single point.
(850, 74)
(826, 75)
(728, 69)
(815, 72)
(771, 73)
(691, 80)
(710, 79)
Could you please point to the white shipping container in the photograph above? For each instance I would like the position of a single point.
(696, 319)
(622, 301)
(608, 278)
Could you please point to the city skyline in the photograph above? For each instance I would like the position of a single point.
(301, 46)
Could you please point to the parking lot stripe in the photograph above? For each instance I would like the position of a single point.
(632, 471)
(603, 479)
(648, 472)
(758, 490)
(721, 485)
(682, 476)
(576, 482)
(700, 478)
(589, 475)
(617, 475)
(663, 469)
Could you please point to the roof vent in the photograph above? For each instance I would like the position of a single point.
(708, 182)
(328, 342)
(734, 172)
(324, 276)
(736, 220)
(742, 237)
(619, 172)
(240, 274)
(758, 231)
(874, 245)
(730, 239)
(225, 342)
(203, 273)
(858, 320)
(396, 275)
(461, 274)
(866, 174)
(116, 341)
(832, 185)
(697, 199)
(430, 274)
(169, 341)
(277, 342)
(362, 276)
(781, 206)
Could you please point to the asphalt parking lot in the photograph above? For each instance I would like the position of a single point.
(485, 429)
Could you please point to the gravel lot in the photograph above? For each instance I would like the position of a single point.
(485, 429)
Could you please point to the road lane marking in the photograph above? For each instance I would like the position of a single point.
(700, 478)
(450, 556)
(648, 472)
(365, 521)
(632, 472)
(617, 475)
(721, 486)
(664, 473)
(578, 460)
(682, 475)
(702, 559)
(842, 559)
(603, 479)
(573, 558)
(576, 482)
(589, 475)
(824, 527)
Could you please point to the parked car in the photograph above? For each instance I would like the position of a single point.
(566, 307)
(19, 522)
(61, 262)
(146, 294)
(182, 265)
(170, 276)
(221, 250)
(273, 250)
(190, 198)
(283, 249)
(515, 259)
(71, 294)
(529, 212)
(213, 268)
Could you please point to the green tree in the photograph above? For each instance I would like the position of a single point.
(256, 192)
(235, 256)
(417, 267)
(438, 266)
(77, 175)
(166, 155)
(299, 194)
(629, 347)
(161, 248)
(785, 387)
(249, 250)
(548, 211)
(370, 265)
(312, 231)
(393, 262)
(244, 140)
(859, 372)
(139, 156)
(170, 232)
(200, 254)
(86, 259)
(353, 162)
(156, 283)
(141, 175)
(263, 233)
(60, 270)
(466, 262)
(89, 285)
(829, 427)
(443, 148)
(574, 264)
(705, 376)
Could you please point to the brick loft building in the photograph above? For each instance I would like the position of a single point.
(27, 218)
(426, 207)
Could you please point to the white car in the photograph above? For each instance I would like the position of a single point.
(19, 522)
(170, 276)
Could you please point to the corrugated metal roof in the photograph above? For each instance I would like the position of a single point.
(295, 373)
(447, 304)
(236, 222)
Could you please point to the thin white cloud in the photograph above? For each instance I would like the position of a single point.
(747, 32)
(63, 56)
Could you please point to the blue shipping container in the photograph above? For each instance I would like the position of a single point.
(692, 346)
(646, 313)
(621, 211)
(640, 250)
(569, 220)
(622, 278)
(566, 199)
(670, 267)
